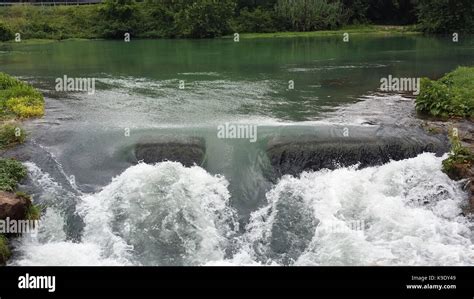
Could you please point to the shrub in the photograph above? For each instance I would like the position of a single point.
(11, 172)
(6, 33)
(7, 81)
(452, 95)
(459, 159)
(26, 107)
(9, 135)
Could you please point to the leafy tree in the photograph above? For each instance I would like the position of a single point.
(446, 16)
(356, 10)
(205, 18)
(118, 17)
(307, 15)
(258, 20)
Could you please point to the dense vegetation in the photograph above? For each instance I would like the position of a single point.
(18, 100)
(450, 96)
(11, 172)
(446, 16)
(211, 18)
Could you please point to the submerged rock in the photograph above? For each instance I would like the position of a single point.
(186, 150)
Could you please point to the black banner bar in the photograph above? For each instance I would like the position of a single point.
(245, 282)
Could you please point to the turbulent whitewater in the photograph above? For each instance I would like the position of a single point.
(402, 213)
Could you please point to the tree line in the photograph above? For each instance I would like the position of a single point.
(212, 18)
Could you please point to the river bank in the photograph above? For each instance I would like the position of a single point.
(449, 102)
(369, 30)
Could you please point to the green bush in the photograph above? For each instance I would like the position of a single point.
(11, 172)
(7, 81)
(460, 157)
(10, 135)
(452, 95)
(6, 33)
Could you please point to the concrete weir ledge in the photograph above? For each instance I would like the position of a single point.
(342, 146)
(186, 150)
(295, 149)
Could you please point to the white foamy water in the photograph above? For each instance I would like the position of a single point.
(401, 213)
(149, 215)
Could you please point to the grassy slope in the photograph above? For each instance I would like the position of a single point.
(364, 29)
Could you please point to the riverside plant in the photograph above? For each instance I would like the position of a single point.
(19, 99)
(450, 96)
(459, 160)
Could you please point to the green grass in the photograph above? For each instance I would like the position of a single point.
(450, 96)
(359, 29)
(4, 250)
(19, 99)
(11, 173)
(33, 212)
(11, 134)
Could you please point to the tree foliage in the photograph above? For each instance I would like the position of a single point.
(308, 15)
(6, 33)
(446, 16)
(211, 18)
(119, 17)
(205, 18)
